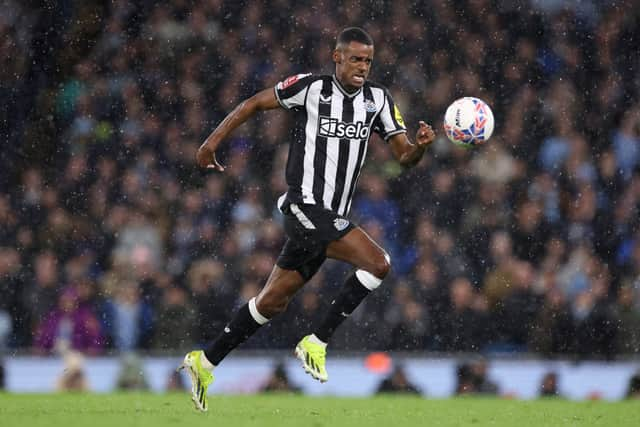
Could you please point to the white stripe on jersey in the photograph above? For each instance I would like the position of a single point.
(387, 119)
(313, 97)
(333, 147)
(359, 114)
(320, 139)
(380, 99)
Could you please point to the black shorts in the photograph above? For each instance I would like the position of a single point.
(309, 229)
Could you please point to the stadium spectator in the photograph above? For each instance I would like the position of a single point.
(12, 304)
(73, 377)
(633, 390)
(397, 382)
(483, 384)
(428, 289)
(472, 379)
(549, 385)
(69, 323)
(375, 203)
(465, 322)
(465, 381)
(42, 289)
(212, 294)
(497, 282)
(451, 259)
(628, 317)
(518, 311)
(553, 329)
(626, 141)
(595, 321)
(530, 231)
(411, 329)
(127, 319)
(131, 375)
(5, 330)
(176, 314)
(279, 381)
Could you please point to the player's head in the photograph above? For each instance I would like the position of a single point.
(353, 56)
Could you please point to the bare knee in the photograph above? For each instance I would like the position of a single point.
(381, 266)
(280, 288)
(270, 304)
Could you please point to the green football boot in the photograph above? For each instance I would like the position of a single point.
(201, 378)
(312, 356)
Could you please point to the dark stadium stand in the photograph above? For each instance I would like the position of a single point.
(112, 238)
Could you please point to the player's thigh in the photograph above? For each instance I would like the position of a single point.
(360, 250)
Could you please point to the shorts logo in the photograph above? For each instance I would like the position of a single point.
(333, 128)
(340, 223)
(370, 106)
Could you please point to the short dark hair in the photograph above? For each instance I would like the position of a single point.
(354, 34)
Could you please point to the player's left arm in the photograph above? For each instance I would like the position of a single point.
(408, 153)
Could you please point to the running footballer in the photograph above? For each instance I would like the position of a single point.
(335, 116)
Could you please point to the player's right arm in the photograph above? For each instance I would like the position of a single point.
(263, 100)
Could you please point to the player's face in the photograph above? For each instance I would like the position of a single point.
(353, 63)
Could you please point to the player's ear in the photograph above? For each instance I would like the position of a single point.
(337, 56)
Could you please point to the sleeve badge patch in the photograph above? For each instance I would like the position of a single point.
(398, 116)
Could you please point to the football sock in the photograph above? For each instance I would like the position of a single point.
(245, 323)
(206, 364)
(350, 296)
(314, 339)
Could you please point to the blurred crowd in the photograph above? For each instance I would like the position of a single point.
(111, 239)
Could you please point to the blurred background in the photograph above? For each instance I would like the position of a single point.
(112, 241)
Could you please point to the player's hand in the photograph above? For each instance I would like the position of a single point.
(425, 135)
(206, 158)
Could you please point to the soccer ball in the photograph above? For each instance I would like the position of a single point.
(468, 122)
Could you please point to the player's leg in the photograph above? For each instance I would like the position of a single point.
(295, 266)
(282, 285)
(372, 265)
(361, 251)
(273, 299)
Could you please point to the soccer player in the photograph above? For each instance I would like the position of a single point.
(335, 116)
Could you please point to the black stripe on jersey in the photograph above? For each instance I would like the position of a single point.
(320, 157)
(295, 162)
(377, 125)
(368, 96)
(343, 155)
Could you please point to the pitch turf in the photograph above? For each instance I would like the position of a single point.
(119, 410)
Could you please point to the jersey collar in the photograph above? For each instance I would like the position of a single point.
(343, 90)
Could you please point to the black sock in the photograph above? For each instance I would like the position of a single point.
(350, 296)
(241, 327)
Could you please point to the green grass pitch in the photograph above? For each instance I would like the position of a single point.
(159, 410)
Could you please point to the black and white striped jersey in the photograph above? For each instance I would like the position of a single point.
(332, 130)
